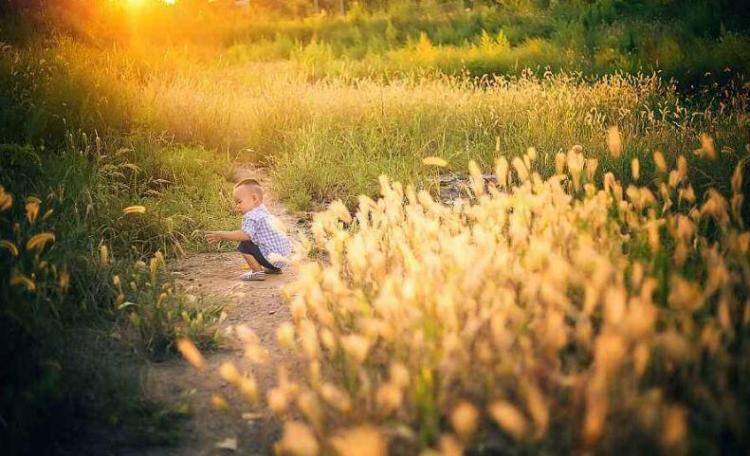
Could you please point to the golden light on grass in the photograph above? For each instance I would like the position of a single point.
(229, 372)
(337, 207)
(501, 172)
(6, 199)
(521, 171)
(708, 148)
(435, 161)
(614, 142)
(509, 418)
(191, 353)
(464, 419)
(388, 397)
(248, 387)
(336, 398)
(356, 346)
(477, 180)
(381, 314)
(285, 335)
(399, 375)
(9, 246)
(38, 241)
(297, 440)
(592, 164)
(553, 288)
(524, 294)
(675, 426)
(278, 400)
(364, 440)
(537, 406)
(635, 169)
(310, 406)
(134, 210)
(63, 280)
(32, 208)
(103, 255)
(660, 162)
(20, 279)
(219, 402)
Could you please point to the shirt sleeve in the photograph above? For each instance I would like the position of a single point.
(250, 227)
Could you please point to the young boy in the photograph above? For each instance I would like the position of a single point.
(260, 243)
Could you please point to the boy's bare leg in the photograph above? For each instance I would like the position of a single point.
(252, 262)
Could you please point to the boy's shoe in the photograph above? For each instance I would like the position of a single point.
(253, 276)
(272, 271)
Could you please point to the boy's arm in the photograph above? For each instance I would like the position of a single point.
(236, 235)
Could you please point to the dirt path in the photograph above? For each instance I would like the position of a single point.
(257, 305)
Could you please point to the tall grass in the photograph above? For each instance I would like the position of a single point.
(331, 139)
(538, 315)
(65, 237)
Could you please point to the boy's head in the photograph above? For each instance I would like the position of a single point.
(248, 194)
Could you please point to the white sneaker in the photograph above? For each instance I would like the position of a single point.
(253, 276)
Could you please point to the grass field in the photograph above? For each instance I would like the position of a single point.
(594, 297)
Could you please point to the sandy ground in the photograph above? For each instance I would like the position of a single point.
(257, 305)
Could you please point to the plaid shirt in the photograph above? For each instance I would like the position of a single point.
(257, 224)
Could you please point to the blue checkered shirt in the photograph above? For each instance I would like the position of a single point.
(256, 223)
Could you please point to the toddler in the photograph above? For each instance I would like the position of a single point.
(262, 246)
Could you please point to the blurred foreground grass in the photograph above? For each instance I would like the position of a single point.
(537, 315)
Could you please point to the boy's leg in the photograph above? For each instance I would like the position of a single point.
(259, 266)
(255, 259)
(252, 262)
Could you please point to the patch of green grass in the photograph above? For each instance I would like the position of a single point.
(56, 387)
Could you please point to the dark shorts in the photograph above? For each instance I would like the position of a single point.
(250, 248)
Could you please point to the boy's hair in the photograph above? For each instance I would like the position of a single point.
(252, 184)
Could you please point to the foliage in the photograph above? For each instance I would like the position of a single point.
(540, 315)
(681, 38)
(125, 124)
(160, 313)
(70, 188)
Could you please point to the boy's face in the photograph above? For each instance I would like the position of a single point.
(245, 200)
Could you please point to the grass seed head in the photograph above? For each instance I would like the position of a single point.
(364, 440)
(435, 161)
(32, 208)
(660, 162)
(191, 354)
(509, 418)
(635, 169)
(6, 199)
(297, 440)
(278, 400)
(614, 142)
(675, 426)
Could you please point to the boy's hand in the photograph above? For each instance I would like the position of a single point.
(214, 236)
